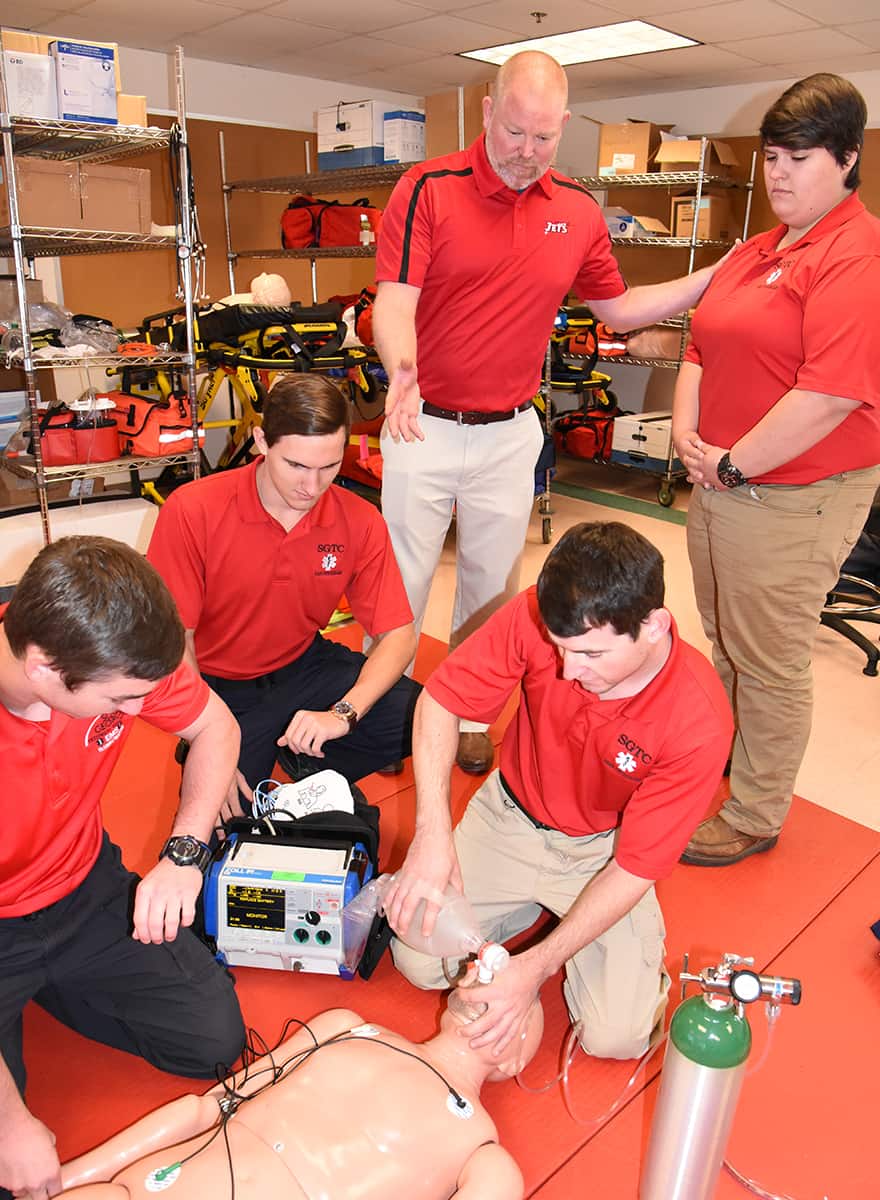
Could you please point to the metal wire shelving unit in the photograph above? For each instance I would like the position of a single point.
(73, 141)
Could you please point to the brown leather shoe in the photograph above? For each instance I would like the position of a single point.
(475, 753)
(717, 844)
(392, 768)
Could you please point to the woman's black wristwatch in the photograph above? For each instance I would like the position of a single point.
(730, 476)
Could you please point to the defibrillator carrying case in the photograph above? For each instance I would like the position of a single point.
(150, 426)
(286, 906)
(309, 221)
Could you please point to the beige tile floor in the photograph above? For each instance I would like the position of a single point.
(841, 769)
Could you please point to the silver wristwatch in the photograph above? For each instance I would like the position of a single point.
(185, 850)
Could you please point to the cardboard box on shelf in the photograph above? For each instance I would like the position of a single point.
(623, 224)
(628, 148)
(131, 110)
(21, 42)
(18, 490)
(404, 136)
(115, 199)
(85, 81)
(48, 194)
(30, 84)
(714, 222)
(677, 155)
(642, 440)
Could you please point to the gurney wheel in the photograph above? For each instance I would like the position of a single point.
(666, 493)
(546, 531)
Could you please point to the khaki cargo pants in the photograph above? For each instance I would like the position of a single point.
(616, 986)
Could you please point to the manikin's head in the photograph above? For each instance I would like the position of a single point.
(600, 595)
(306, 423)
(459, 1013)
(524, 117)
(93, 627)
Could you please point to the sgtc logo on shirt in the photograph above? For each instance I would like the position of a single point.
(632, 754)
(329, 558)
(556, 227)
(104, 731)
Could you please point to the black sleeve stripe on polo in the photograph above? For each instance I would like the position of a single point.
(411, 215)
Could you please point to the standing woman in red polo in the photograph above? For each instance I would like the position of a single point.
(777, 418)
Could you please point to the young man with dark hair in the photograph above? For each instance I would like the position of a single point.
(257, 560)
(612, 758)
(90, 640)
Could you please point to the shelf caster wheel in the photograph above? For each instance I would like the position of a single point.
(546, 531)
(666, 493)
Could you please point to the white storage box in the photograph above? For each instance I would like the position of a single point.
(623, 224)
(642, 440)
(30, 85)
(351, 134)
(404, 136)
(86, 82)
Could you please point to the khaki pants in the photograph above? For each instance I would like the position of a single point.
(764, 558)
(487, 473)
(616, 985)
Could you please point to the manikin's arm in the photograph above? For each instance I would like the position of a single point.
(166, 896)
(386, 662)
(394, 332)
(431, 861)
(190, 1115)
(490, 1174)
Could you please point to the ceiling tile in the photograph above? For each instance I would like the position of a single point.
(651, 10)
(153, 26)
(794, 47)
(361, 53)
(447, 34)
(14, 15)
(739, 19)
(352, 16)
(690, 61)
(615, 70)
(835, 12)
(837, 64)
(562, 16)
(865, 31)
(254, 39)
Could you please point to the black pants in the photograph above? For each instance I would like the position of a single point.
(264, 707)
(173, 1004)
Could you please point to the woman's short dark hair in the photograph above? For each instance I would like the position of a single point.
(600, 573)
(821, 110)
(96, 607)
(308, 405)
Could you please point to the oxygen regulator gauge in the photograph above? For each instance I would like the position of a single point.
(745, 986)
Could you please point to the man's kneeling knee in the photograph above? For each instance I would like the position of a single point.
(604, 1041)
(421, 970)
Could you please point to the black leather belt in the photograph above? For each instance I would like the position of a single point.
(473, 418)
(514, 803)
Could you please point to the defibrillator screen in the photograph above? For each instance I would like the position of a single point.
(255, 908)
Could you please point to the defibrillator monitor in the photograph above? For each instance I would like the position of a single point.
(277, 901)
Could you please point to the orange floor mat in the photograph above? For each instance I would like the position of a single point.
(85, 1092)
(805, 1123)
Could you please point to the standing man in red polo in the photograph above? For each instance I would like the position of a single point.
(477, 251)
(257, 560)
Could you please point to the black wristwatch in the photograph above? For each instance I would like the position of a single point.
(347, 711)
(730, 476)
(187, 851)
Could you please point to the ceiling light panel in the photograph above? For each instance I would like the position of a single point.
(590, 45)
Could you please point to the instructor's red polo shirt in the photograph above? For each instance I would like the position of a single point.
(493, 266)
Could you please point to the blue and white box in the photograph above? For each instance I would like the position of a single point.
(404, 136)
(643, 440)
(85, 77)
(351, 134)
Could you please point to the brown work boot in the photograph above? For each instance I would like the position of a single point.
(717, 844)
(475, 753)
(392, 768)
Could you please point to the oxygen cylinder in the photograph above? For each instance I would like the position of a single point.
(703, 1070)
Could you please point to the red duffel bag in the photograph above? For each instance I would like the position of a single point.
(149, 427)
(71, 439)
(308, 221)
